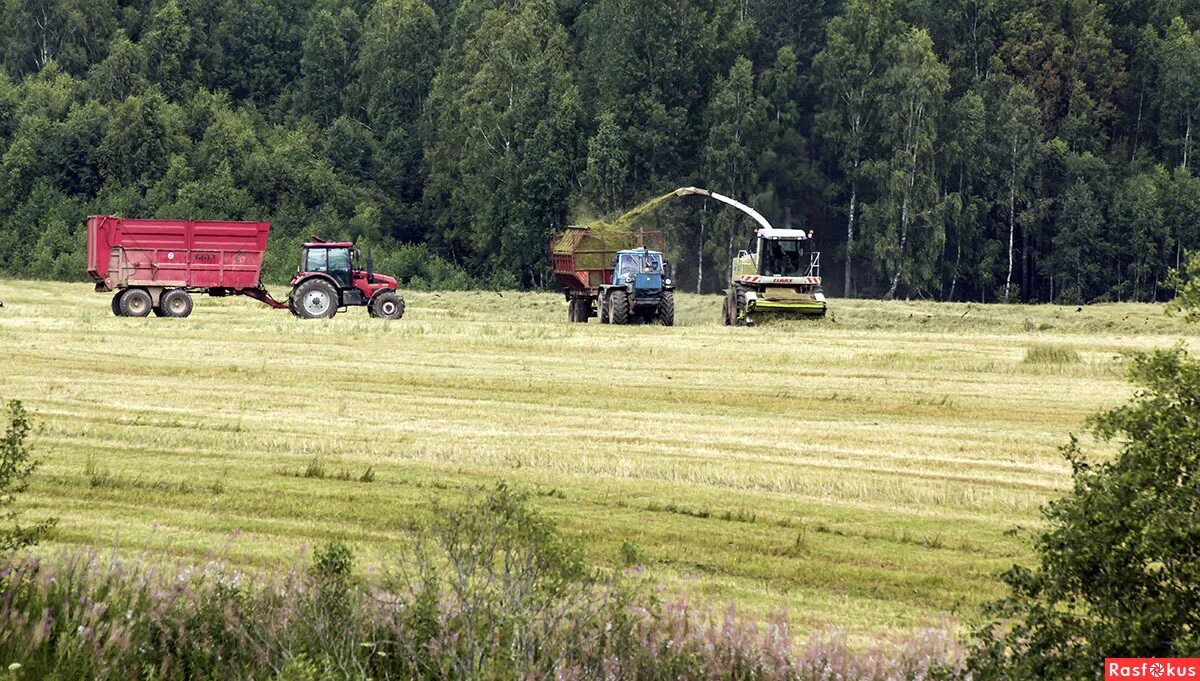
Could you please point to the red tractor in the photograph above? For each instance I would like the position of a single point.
(328, 279)
(155, 266)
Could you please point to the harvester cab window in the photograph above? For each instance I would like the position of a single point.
(784, 258)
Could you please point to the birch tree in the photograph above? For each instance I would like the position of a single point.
(1018, 130)
(907, 212)
(848, 71)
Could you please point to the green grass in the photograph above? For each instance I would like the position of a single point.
(860, 471)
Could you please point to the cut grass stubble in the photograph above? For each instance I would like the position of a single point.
(861, 471)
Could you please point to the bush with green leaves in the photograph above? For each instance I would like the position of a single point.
(496, 592)
(16, 465)
(1187, 283)
(1118, 570)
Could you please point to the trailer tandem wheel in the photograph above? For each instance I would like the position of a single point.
(176, 303)
(135, 302)
(578, 310)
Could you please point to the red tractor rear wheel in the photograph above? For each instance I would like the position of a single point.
(315, 299)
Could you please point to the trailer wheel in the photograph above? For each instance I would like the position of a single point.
(577, 310)
(176, 303)
(666, 308)
(618, 307)
(116, 303)
(135, 302)
(315, 299)
(387, 305)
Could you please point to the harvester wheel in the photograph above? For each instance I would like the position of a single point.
(603, 311)
(618, 306)
(666, 308)
(387, 305)
(116, 303)
(315, 299)
(176, 303)
(728, 317)
(739, 312)
(135, 302)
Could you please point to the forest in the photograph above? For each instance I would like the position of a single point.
(981, 150)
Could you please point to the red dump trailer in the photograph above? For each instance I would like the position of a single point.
(154, 265)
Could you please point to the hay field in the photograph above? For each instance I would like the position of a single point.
(861, 472)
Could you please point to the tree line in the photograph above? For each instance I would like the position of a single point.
(991, 150)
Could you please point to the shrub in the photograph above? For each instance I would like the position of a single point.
(1118, 574)
(496, 593)
(16, 465)
(631, 553)
(1187, 286)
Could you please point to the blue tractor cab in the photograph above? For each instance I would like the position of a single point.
(640, 291)
(641, 268)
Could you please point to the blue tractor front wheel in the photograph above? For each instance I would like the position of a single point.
(618, 307)
(666, 308)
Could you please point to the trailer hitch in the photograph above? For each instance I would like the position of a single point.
(262, 295)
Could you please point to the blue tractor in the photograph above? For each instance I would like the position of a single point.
(640, 290)
(604, 276)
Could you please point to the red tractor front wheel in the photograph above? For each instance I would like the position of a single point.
(387, 305)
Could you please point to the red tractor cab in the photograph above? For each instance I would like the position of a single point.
(329, 279)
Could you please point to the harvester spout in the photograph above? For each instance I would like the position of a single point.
(696, 191)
